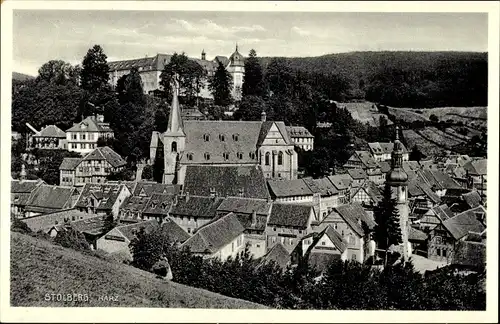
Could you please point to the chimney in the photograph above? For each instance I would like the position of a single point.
(203, 55)
(254, 218)
(263, 116)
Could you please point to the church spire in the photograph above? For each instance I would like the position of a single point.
(175, 125)
(397, 173)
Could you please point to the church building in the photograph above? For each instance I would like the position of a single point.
(261, 144)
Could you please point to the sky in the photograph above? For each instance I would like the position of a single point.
(43, 35)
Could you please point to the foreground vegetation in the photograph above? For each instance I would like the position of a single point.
(39, 267)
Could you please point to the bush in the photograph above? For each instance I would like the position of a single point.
(70, 238)
(433, 118)
(19, 226)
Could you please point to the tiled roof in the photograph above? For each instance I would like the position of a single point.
(438, 179)
(321, 261)
(148, 188)
(157, 63)
(245, 205)
(367, 159)
(357, 174)
(50, 198)
(174, 232)
(384, 148)
(196, 206)
(353, 214)
(215, 235)
(92, 225)
(335, 237)
(135, 204)
(322, 186)
(130, 230)
(341, 181)
(290, 215)
(237, 138)
(279, 254)
(417, 187)
(443, 212)
(227, 181)
(473, 199)
(106, 194)
(90, 124)
(20, 198)
(159, 204)
(51, 131)
(477, 167)
(385, 166)
(45, 221)
(107, 154)
(288, 188)
(298, 132)
(69, 163)
(416, 235)
(224, 60)
(24, 186)
(465, 222)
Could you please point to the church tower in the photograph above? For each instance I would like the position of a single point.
(174, 138)
(397, 179)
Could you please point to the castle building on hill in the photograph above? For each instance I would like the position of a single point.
(150, 69)
(264, 144)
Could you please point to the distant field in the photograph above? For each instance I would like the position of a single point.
(468, 112)
(440, 138)
(39, 268)
(475, 117)
(426, 147)
(408, 115)
(365, 112)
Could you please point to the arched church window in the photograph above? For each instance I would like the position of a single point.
(190, 156)
(222, 137)
(239, 155)
(280, 158)
(207, 156)
(235, 137)
(267, 158)
(206, 137)
(174, 147)
(251, 155)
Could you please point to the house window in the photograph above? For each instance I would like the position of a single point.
(280, 158)
(239, 155)
(354, 256)
(252, 155)
(83, 136)
(323, 243)
(206, 137)
(225, 156)
(190, 156)
(267, 159)
(174, 147)
(207, 156)
(444, 253)
(235, 137)
(274, 229)
(438, 251)
(222, 137)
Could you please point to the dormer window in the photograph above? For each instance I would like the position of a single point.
(235, 137)
(212, 192)
(222, 137)
(207, 156)
(225, 156)
(206, 137)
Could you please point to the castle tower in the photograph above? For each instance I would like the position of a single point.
(237, 69)
(203, 55)
(397, 179)
(174, 138)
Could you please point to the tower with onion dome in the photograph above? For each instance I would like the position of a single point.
(397, 179)
(237, 69)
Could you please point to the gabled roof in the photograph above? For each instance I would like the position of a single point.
(174, 232)
(51, 131)
(357, 174)
(335, 237)
(417, 187)
(354, 214)
(443, 212)
(384, 148)
(366, 159)
(69, 163)
(341, 181)
(322, 186)
(472, 199)
(288, 188)
(416, 235)
(135, 204)
(227, 181)
(24, 186)
(92, 225)
(149, 188)
(290, 215)
(105, 154)
(238, 137)
(298, 132)
(371, 190)
(245, 205)
(106, 195)
(463, 223)
(90, 124)
(278, 254)
(196, 206)
(385, 166)
(215, 235)
(130, 230)
(437, 179)
(477, 167)
(47, 198)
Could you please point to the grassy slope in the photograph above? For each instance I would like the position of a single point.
(39, 267)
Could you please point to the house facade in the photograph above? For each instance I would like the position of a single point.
(50, 137)
(102, 198)
(382, 151)
(82, 137)
(301, 137)
(192, 212)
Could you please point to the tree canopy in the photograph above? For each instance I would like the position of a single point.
(253, 79)
(220, 85)
(94, 75)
